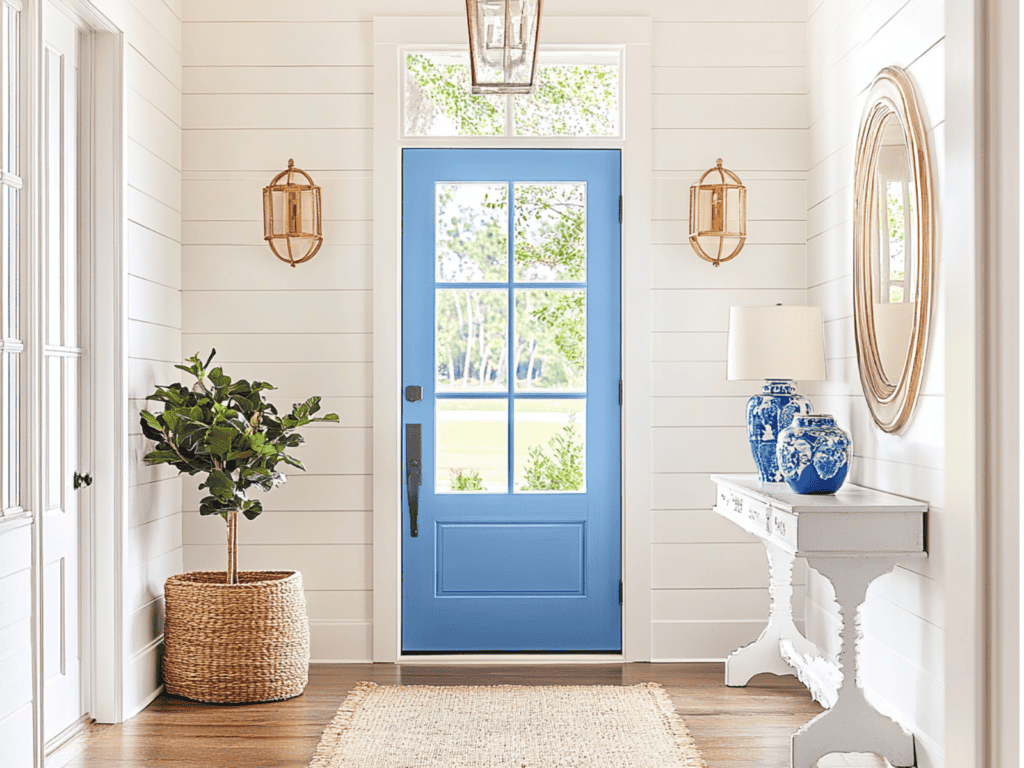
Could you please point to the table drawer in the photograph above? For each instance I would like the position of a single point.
(783, 526)
(748, 512)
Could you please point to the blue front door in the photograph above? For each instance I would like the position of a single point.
(511, 415)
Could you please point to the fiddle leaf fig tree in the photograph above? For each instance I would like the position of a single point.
(225, 431)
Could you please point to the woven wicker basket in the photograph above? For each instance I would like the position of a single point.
(236, 643)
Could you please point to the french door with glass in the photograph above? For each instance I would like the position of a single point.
(511, 407)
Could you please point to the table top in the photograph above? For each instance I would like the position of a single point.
(850, 499)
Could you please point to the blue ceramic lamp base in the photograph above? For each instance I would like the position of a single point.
(767, 415)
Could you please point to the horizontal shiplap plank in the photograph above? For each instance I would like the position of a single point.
(695, 379)
(767, 199)
(284, 528)
(225, 199)
(350, 641)
(255, 268)
(741, 44)
(716, 604)
(729, 111)
(153, 303)
(145, 626)
(690, 347)
(281, 348)
(261, 111)
(695, 526)
(240, 150)
(153, 176)
(700, 449)
(756, 266)
(154, 130)
(712, 566)
(152, 85)
(15, 596)
(727, 80)
(683, 490)
(16, 674)
(704, 411)
(151, 214)
(150, 540)
(16, 736)
(248, 232)
(296, 382)
(339, 605)
(155, 501)
(277, 79)
(759, 232)
(306, 311)
(153, 256)
(700, 310)
(15, 551)
(153, 342)
(323, 566)
(305, 492)
(290, 43)
(700, 640)
(762, 150)
(145, 583)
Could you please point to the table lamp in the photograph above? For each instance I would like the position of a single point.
(781, 345)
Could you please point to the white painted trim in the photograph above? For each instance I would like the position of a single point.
(963, 242)
(390, 34)
(512, 659)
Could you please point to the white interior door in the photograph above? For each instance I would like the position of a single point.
(63, 700)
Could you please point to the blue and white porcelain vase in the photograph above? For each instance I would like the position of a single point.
(814, 454)
(767, 415)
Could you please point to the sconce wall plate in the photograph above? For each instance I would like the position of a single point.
(718, 216)
(292, 220)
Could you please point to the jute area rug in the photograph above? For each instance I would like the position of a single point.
(507, 726)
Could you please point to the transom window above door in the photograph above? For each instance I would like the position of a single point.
(578, 95)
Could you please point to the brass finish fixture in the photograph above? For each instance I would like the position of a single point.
(292, 222)
(893, 249)
(718, 211)
(503, 46)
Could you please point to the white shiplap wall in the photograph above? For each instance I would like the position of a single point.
(153, 165)
(266, 80)
(903, 619)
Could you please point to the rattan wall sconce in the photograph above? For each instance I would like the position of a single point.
(292, 221)
(718, 216)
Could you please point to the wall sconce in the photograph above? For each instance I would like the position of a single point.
(718, 216)
(503, 44)
(291, 216)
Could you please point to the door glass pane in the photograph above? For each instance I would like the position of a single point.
(9, 257)
(550, 232)
(550, 442)
(438, 101)
(472, 446)
(571, 100)
(11, 427)
(551, 344)
(472, 340)
(10, 90)
(471, 233)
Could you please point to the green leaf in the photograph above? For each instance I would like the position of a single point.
(219, 440)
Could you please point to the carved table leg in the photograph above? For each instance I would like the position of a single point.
(852, 725)
(763, 655)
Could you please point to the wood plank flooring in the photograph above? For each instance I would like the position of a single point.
(734, 727)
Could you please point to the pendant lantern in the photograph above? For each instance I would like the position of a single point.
(503, 38)
(718, 216)
(292, 221)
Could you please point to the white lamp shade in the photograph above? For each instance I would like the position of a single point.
(776, 343)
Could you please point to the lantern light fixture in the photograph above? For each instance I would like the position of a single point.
(292, 221)
(718, 216)
(503, 37)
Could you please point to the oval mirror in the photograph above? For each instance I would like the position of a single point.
(893, 250)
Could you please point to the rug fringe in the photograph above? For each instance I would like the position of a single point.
(327, 747)
(688, 750)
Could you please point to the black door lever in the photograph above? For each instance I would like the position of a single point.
(413, 473)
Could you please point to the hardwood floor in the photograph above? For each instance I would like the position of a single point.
(734, 727)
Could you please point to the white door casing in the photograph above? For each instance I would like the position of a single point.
(63, 699)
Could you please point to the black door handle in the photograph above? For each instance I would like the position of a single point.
(413, 473)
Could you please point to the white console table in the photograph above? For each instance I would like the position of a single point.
(851, 538)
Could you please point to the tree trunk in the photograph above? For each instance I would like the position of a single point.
(232, 574)
(529, 368)
(469, 338)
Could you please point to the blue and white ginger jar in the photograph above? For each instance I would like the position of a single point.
(767, 415)
(814, 454)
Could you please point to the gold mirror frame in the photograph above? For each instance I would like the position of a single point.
(891, 403)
